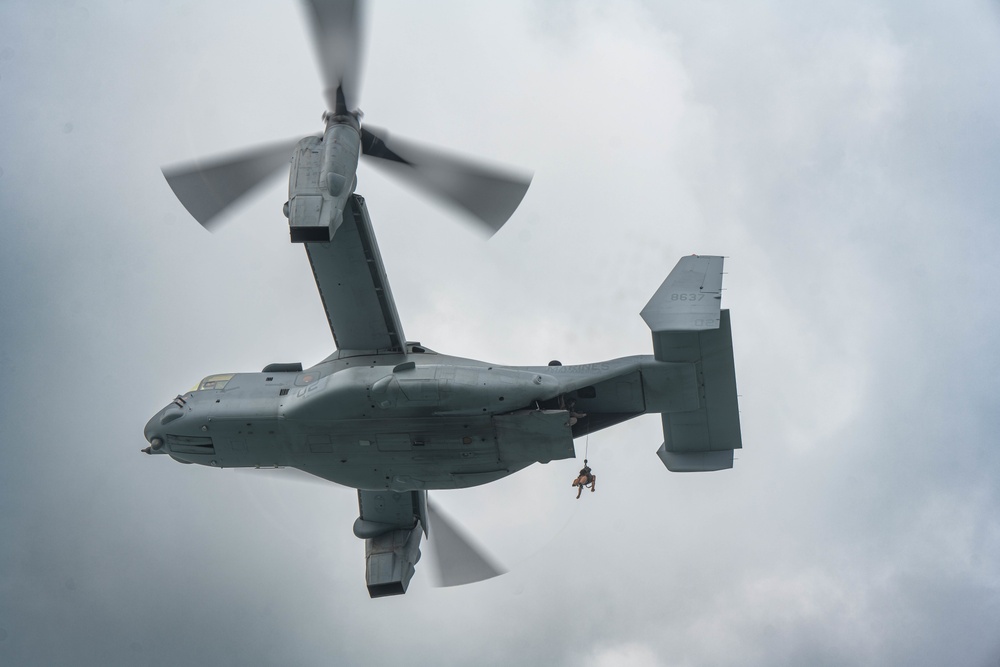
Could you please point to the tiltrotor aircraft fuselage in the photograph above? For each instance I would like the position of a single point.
(392, 418)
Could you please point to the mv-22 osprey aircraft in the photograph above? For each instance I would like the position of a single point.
(392, 418)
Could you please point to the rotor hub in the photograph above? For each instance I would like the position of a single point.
(352, 118)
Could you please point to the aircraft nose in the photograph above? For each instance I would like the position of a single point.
(153, 435)
(153, 432)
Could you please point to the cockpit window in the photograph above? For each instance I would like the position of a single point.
(215, 382)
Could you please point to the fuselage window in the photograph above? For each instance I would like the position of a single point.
(215, 381)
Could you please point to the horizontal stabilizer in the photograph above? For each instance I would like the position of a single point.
(701, 424)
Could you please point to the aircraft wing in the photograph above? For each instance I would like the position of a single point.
(353, 286)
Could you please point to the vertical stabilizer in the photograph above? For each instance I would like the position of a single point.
(689, 326)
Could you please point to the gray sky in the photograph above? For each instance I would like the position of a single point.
(844, 155)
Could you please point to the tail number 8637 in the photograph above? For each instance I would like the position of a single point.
(686, 297)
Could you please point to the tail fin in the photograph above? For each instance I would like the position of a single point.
(689, 327)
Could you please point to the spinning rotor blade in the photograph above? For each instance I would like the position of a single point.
(336, 29)
(488, 193)
(207, 187)
(458, 559)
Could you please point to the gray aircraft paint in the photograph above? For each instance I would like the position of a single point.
(375, 418)
(433, 425)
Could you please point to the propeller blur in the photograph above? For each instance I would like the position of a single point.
(209, 186)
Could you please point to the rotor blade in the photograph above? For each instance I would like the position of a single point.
(489, 194)
(336, 30)
(207, 187)
(459, 560)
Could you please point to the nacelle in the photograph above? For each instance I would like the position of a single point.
(323, 177)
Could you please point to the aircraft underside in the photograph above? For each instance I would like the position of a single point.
(403, 455)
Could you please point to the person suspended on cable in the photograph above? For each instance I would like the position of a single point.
(585, 478)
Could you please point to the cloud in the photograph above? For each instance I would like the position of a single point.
(843, 156)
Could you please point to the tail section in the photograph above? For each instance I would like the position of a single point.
(692, 332)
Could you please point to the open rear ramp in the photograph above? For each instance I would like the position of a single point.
(689, 327)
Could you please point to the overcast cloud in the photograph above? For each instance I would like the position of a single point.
(844, 155)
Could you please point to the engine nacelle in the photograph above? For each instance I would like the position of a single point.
(323, 177)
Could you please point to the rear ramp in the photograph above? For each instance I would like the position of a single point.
(689, 327)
